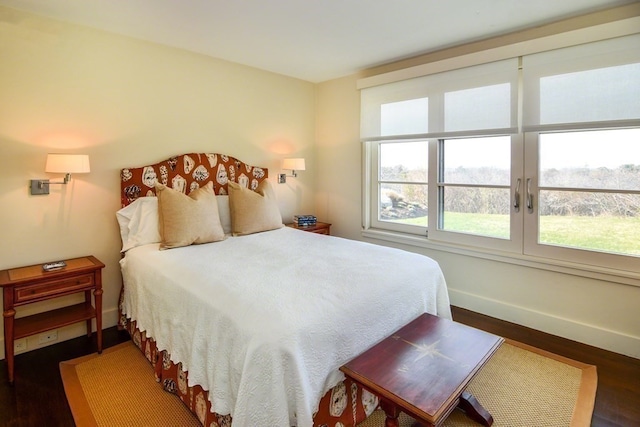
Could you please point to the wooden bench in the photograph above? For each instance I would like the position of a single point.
(424, 368)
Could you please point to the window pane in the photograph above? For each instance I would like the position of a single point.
(480, 211)
(405, 117)
(604, 159)
(484, 161)
(487, 107)
(403, 203)
(404, 161)
(604, 222)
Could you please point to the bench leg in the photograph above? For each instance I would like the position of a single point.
(392, 412)
(474, 410)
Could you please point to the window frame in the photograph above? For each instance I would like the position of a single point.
(523, 247)
(523, 244)
(514, 243)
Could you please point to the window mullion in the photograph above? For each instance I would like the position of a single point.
(433, 189)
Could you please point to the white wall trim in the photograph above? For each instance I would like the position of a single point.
(588, 334)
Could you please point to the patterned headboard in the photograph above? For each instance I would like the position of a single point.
(188, 172)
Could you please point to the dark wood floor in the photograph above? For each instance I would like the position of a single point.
(37, 398)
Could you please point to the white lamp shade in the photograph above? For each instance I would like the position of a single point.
(293, 164)
(67, 163)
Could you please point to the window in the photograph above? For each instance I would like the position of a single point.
(536, 156)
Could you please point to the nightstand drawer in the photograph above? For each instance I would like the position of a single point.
(45, 290)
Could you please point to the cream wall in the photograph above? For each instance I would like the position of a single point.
(66, 88)
(597, 312)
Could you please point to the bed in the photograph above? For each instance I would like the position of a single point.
(251, 327)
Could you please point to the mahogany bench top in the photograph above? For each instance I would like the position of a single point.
(424, 367)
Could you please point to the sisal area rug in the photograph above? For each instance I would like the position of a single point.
(118, 388)
(519, 386)
(524, 386)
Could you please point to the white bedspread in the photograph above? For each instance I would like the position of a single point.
(264, 321)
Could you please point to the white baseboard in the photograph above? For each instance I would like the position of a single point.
(109, 319)
(566, 328)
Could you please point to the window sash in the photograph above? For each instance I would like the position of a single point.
(374, 193)
(531, 230)
(436, 233)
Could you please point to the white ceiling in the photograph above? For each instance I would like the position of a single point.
(313, 40)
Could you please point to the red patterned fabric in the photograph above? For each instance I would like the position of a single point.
(188, 172)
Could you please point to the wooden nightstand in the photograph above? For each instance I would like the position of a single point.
(318, 228)
(31, 284)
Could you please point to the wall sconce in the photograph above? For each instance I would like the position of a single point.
(293, 165)
(60, 163)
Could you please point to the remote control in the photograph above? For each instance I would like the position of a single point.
(57, 265)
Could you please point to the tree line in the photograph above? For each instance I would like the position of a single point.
(588, 202)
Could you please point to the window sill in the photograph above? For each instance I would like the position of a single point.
(572, 268)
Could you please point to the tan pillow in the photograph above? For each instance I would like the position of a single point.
(185, 220)
(253, 211)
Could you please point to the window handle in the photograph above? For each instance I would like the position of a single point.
(516, 197)
(529, 196)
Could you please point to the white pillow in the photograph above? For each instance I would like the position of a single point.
(225, 213)
(139, 223)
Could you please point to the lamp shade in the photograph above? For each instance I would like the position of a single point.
(293, 164)
(67, 163)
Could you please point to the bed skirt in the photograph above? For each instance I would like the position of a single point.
(345, 405)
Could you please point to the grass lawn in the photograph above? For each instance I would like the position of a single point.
(605, 234)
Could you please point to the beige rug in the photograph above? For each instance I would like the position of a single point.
(525, 386)
(118, 388)
(519, 386)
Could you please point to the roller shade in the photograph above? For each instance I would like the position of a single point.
(478, 100)
(596, 83)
